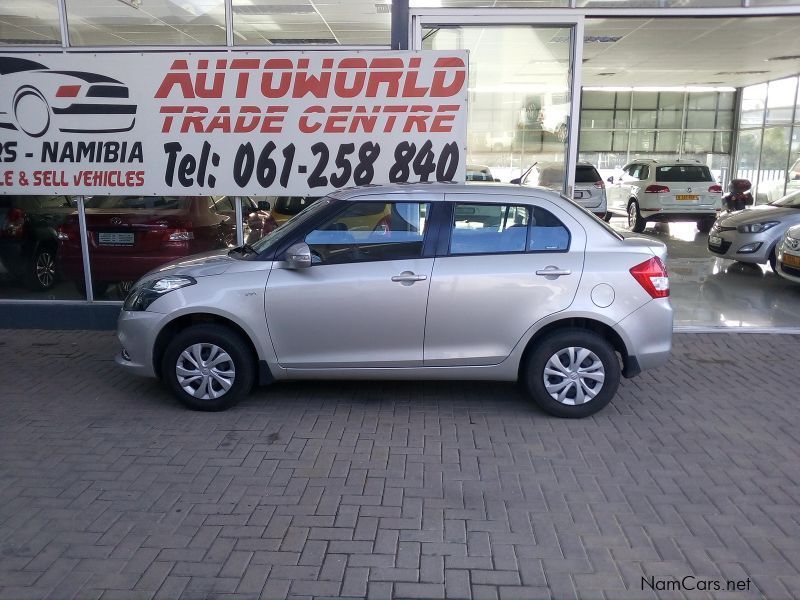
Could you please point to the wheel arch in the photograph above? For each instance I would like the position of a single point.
(185, 321)
(629, 369)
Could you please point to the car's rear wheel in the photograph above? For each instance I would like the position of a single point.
(635, 221)
(41, 275)
(208, 367)
(705, 225)
(572, 374)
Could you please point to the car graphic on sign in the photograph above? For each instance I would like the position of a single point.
(34, 98)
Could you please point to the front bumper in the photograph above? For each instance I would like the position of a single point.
(732, 241)
(137, 332)
(785, 271)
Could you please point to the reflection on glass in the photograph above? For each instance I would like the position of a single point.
(29, 247)
(146, 22)
(300, 21)
(131, 235)
(519, 101)
(753, 100)
(19, 24)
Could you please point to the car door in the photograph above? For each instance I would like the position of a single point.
(506, 266)
(362, 302)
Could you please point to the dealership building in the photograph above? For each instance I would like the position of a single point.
(550, 82)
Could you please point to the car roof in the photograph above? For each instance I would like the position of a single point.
(492, 192)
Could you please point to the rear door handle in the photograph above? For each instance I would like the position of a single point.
(553, 271)
(408, 277)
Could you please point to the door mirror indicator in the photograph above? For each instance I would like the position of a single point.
(298, 256)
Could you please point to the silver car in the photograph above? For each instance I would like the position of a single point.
(426, 281)
(589, 190)
(752, 235)
(788, 253)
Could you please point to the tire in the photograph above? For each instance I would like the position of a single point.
(635, 221)
(607, 217)
(563, 347)
(41, 273)
(773, 261)
(99, 288)
(204, 343)
(705, 225)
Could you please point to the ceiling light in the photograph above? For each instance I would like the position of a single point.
(272, 9)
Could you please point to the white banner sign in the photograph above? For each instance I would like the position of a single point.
(240, 123)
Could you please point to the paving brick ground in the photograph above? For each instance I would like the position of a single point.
(109, 489)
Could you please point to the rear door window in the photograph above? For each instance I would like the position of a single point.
(489, 229)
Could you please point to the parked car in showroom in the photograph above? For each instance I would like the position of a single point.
(461, 282)
(653, 191)
(589, 190)
(29, 238)
(286, 207)
(788, 255)
(753, 235)
(131, 235)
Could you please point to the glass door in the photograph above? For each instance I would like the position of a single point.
(521, 101)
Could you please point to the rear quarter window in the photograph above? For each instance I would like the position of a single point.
(586, 175)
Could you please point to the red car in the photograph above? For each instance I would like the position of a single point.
(131, 235)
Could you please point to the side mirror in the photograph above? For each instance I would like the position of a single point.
(264, 205)
(298, 256)
(610, 179)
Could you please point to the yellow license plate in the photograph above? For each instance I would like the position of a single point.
(686, 197)
(791, 260)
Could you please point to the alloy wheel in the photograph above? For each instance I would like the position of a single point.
(574, 375)
(45, 269)
(205, 371)
(632, 215)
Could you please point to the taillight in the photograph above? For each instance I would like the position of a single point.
(652, 276)
(600, 185)
(68, 91)
(715, 189)
(15, 223)
(656, 189)
(177, 235)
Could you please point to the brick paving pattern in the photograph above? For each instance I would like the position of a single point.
(109, 489)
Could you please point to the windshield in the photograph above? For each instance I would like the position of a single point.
(276, 235)
(790, 201)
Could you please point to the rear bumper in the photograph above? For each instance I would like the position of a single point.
(668, 216)
(647, 333)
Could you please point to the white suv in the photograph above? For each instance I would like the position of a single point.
(665, 191)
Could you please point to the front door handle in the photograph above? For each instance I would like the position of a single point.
(553, 271)
(408, 277)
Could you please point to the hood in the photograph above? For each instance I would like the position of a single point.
(197, 265)
(757, 214)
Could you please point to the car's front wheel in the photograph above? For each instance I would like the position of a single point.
(41, 275)
(572, 374)
(635, 221)
(208, 367)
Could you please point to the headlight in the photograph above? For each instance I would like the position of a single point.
(792, 242)
(147, 292)
(757, 227)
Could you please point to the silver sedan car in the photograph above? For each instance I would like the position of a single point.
(426, 281)
(752, 235)
(789, 255)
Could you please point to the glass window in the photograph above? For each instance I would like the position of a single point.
(781, 101)
(668, 141)
(597, 119)
(683, 173)
(596, 99)
(642, 141)
(488, 229)
(152, 22)
(645, 100)
(548, 234)
(519, 102)
(701, 119)
(696, 142)
(620, 143)
(670, 119)
(643, 118)
(754, 98)
(303, 22)
(21, 24)
(670, 101)
(369, 231)
(595, 141)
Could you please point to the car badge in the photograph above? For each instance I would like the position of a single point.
(116, 221)
(689, 190)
